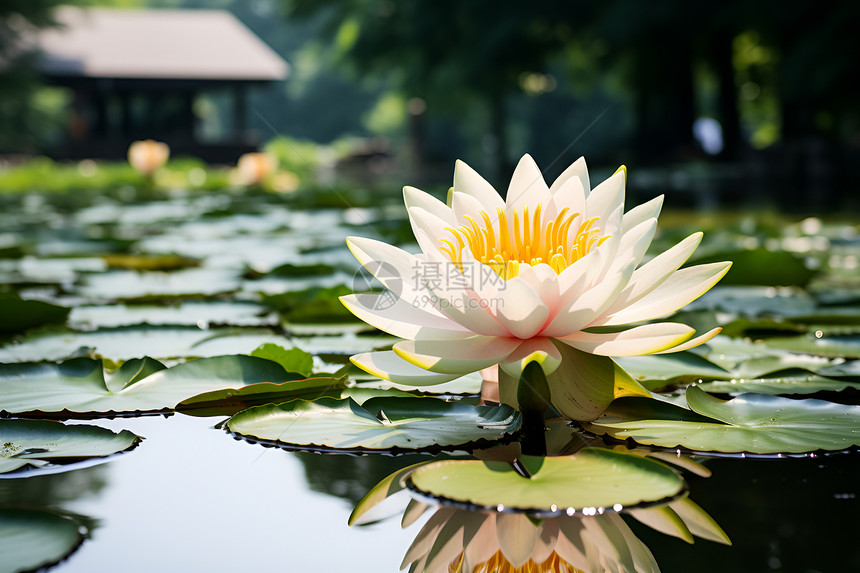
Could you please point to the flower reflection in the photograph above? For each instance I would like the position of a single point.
(457, 540)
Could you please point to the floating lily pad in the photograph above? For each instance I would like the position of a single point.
(31, 539)
(379, 424)
(19, 314)
(292, 360)
(846, 346)
(80, 386)
(28, 444)
(751, 423)
(590, 482)
(678, 367)
(793, 381)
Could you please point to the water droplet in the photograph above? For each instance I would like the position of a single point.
(553, 508)
(617, 507)
(570, 511)
(818, 334)
(500, 507)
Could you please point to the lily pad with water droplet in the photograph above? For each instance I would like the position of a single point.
(677, 367)
(751, 423)
(80, 386)
(49, 445)
(591, 481)
(32, 539)
(792, 381)
(845, 345)
(379, 424)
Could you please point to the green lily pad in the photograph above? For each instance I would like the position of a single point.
(379, 424)
(589, 482)
(845, 346)
(751, 423)
(32, 539)
(792, 381)
(292, 360)
(676, 367)
(230, 401)
(80, 386)
(19, 314)
(761, 267)
(28, 444)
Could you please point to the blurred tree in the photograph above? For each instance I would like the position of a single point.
(453, 55)
(21, 120)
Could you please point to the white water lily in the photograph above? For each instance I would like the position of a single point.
(553, 274)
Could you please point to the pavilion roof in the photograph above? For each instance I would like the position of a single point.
(156, 44)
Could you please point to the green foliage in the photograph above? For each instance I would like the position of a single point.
(20, 314)
(292, 360)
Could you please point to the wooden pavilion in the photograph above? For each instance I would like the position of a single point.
(140, 74)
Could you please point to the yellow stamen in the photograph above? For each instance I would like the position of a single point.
(504, 247)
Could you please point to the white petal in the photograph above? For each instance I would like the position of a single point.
(652, 274)
(643, 212)
(467, 180)
(482, 546)
(399, 265)
(413, 197)
(464, 205)
(427, 536)
(693, 342)
(645, 339)
(428, 229)
(456, 356)
(606, 198)
(582, 310)
(540, 350)
(577, 169)
(569, 545)
(527, 187)
(570, 194)
(401, 318)
(675, 292)
(545, 544)
(635, 242)
(521, 312)
(388, 366)
(544, 281)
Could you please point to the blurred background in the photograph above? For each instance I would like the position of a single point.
(725, 103)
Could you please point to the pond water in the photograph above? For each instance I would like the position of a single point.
(184, 275)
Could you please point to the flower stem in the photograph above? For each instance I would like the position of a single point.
(533, 397)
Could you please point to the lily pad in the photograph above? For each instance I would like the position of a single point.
(677, 367)
(19, 314)
(379, 424)
(846, 346)
(589, 482)
(292, 360)
(31, 539)
(28, 444)
(751, 423)
(793, 381)
(80, 386)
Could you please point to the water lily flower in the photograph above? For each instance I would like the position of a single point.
(148, 155)
(254, 168)
(553, 274)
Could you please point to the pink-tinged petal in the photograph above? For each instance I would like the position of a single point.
(401, 318)
(582, 310)
(653, 273)
(540, 350)
(640, 213)
(675, 292)
(693, 342)
(645, 339)
(521, 312)
(456, 356)
(482, 545)
(517, 536)
(585, 384)
(605, 199)
(388, 366)
(570, 194)
(545, 545)
(577, 169)
(413, 197)
(467, 180)
(419, 549)
(527, 187)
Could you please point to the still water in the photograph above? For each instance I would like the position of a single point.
(191, 498)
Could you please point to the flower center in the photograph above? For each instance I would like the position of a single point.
(524, 240)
